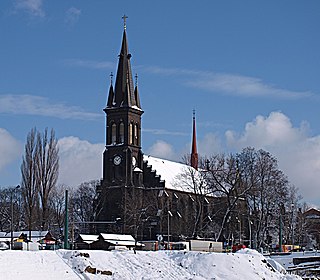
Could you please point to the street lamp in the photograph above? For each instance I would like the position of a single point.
(292, 223)
(282, 210)
(250, 233)
(11, 225)
(169, 215)
(239, 221)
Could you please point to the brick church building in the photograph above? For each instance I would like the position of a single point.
(140, 194)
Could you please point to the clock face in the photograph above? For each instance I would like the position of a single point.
(134, 161)
(117, 160)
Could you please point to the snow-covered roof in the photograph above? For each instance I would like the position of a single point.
(119, 239)
(174, 174)
(89, 238)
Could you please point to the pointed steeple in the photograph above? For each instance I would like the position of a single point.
(136, 92)
(194, 153)
(124, 91)
(111, 101)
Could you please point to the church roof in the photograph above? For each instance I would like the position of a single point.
(177, 176)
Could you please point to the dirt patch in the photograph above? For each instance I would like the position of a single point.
(93, 270)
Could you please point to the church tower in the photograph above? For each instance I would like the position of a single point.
(122, 158)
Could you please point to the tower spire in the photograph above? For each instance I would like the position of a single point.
(124, 94)
(194, 153)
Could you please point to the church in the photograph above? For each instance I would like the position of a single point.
(140, 194)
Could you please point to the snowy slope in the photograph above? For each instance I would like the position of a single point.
(248, 265)
(46, 265)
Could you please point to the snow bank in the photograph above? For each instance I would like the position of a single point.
(125, 265)
(246, 264)
(21, 265)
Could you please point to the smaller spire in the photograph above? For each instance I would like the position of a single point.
(111, 78)
(110, 102)
(136, 79)
(194, 153)
(124, 22)
(136, 96)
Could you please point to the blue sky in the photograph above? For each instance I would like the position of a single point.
(250, 69)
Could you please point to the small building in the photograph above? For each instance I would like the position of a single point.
(84, 241)
(312, 214)
(107, 241)
(48, 242)
(311, 219)
(20, 238)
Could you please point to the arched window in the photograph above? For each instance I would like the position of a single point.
(131, 133)
(113, 133)
(121, 132)
(136, 134)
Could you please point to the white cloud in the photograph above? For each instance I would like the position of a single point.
(72, 15)
(210, 144)
(163, 150)
(89, 64)
(157, 131)
(298, 154)
(270, 131)
(230, 84)
(41, 106)
(243, 86)
(80, 161)
(10, 148)
(32, 7)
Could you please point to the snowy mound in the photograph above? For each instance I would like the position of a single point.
(247, 264)
(125, 265)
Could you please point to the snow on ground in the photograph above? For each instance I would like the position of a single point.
(29, 265)
(125, 265)
(287, 260)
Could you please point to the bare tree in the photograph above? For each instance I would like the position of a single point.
(10, 200)
(223, 174)
(57, 209)
(83, 202)
(253, 199)
(268, 194)
(28, 183)
(39, 171)
(46, 169)
(193, 181)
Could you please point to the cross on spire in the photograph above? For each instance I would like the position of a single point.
(124, 21)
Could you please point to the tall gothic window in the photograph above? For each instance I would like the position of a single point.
(131, 133)
(121, 132)
(136, 134)
(113, 133)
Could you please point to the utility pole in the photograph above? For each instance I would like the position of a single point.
(66, 229)
(280, 233)
(11, 224)
(280, 226)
